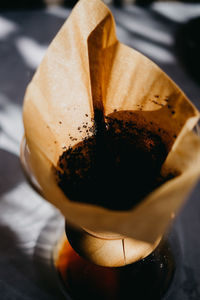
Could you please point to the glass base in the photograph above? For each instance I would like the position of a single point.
(154, 277)
(148, 278)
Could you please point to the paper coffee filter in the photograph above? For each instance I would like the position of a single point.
(84, 66)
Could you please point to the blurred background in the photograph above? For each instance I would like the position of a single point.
(69, 3)
(168, 32)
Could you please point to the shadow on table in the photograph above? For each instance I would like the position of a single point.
(25, 276)
(33, 4)
(188, 47)
(11, 172)
(24, 37)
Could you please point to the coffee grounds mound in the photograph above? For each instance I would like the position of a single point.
(114, 169)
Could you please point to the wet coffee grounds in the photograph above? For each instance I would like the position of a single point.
(115, 168)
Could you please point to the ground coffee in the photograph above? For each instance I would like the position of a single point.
(115, 168)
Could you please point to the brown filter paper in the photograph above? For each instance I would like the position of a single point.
(86, 67)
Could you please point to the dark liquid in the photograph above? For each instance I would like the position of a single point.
(115, 168)
(145, 279)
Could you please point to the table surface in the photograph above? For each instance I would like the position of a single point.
(29, 226)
